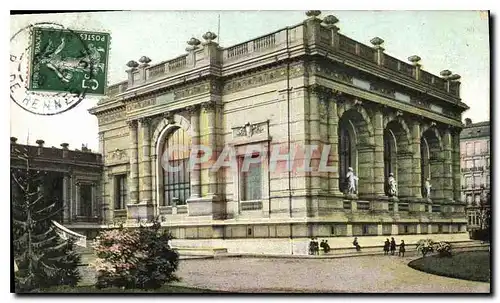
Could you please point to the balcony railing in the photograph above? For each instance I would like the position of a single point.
(294, 36)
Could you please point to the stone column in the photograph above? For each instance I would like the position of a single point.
(378, 158)
(447, 178)
(210, 110)
(133, 181)
(416, 182)
(76, 209)
(66, 199)
(334, 144)
(195, 140)
(145, 194)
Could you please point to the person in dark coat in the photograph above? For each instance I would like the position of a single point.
(322, 245)
(326, 247)
(387, 244)
(402, 249)
(393, 246)
(356, 244)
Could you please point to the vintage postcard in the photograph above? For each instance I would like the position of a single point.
(294, 152)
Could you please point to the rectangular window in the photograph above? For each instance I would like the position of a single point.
(85, 201)
(477, 148)
(477, 181)
(469, 199)
(468, 181)
(477, 199)
(251, 181)
(469, 148)
(121, 191)
(478, 162)
(468, 163)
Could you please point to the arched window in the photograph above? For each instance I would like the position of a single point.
(176, 182)
(345, 159)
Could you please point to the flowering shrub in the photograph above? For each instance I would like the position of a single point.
(425, 246)
(443, 249)
(134, 258)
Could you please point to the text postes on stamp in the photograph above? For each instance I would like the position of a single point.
(65, 60)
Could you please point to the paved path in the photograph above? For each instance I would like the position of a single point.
(387, 274)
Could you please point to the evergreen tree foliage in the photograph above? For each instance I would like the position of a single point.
(43, 259)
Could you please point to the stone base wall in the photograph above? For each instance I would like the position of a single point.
(299, 246)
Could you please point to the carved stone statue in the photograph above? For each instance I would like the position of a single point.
(427, 188)
(351, 181)
(393, 186)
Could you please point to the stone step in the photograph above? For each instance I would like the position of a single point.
(200, 251)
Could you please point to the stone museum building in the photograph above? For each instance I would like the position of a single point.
(475, 157)
(306, 84)
(72, 179)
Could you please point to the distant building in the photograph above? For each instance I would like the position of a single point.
(73, 180)
(475, 157)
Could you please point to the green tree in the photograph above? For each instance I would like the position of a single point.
(42, 258)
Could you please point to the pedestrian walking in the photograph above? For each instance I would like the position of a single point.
(393, 246)
(387, 244)
(402, 249)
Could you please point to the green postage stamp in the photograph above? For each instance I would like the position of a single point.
(64, 60)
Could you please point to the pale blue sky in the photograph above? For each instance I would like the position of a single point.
(454, 40)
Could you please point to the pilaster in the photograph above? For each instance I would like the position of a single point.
(133, 181)
(194, 112)
(145, 179)
(378, 154)
(416, 182)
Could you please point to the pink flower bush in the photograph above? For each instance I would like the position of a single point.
(134, 258)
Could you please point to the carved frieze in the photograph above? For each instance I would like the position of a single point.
(140, 104)
(262, 78)
(211, 86)
(383, 89)
(331, 72)
(111, 117)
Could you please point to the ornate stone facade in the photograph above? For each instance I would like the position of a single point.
(374, 117)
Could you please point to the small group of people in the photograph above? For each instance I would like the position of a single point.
(391, 246)
(314, 246)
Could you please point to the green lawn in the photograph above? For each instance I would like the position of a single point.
(90, 289)
(474, 266)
